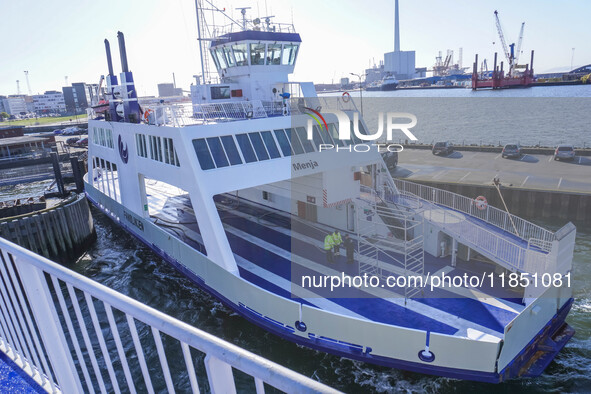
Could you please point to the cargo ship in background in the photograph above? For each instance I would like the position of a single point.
(387, 84)
(234, 191)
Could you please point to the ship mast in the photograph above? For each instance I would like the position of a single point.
(200, 37)
(204, 36)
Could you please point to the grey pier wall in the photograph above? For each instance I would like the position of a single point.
(60, 233)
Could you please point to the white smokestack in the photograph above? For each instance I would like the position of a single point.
(396, 29)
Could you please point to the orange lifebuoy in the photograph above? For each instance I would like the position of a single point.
(481, 202)
(346, 97)
(147, 113)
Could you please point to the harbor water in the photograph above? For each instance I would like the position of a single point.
(122, 263)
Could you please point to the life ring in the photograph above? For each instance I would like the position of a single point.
(481, 202)
(147, 113)
(346, 97)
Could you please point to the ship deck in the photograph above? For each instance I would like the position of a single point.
(270, 246)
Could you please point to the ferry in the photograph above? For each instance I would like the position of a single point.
(239, 189)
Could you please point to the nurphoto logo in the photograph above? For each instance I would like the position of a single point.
(391, 121)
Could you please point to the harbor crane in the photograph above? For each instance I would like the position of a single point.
(509, 50)
(28, 84)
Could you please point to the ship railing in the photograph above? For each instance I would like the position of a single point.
(531, 257)
(487, 213)
(220, 30)
(74, 335)
(229, 111)
(187, 114)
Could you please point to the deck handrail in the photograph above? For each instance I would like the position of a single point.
(532, 257)
(491, 215)
(44, 303)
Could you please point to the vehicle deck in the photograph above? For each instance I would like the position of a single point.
(270, 245)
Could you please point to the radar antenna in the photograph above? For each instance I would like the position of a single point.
(243, 12)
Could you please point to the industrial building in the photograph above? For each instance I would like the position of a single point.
(400, 64)
(168, 90)
(77, 97)
(49, 102)
(14, 104)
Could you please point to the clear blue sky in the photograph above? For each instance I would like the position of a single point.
(52, 39)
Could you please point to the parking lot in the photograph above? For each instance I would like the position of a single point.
(538, 172)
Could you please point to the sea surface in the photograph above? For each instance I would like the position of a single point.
(122, 263)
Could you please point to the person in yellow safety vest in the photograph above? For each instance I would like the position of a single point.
(337, 240)
(328, 245)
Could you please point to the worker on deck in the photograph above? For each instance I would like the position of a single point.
(349, 248)
(337, 240)
(328, 246)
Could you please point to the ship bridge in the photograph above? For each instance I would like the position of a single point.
(251, 64)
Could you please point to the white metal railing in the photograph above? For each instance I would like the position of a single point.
(532, 257)
(186, 114)
(497, 217)
(229, 111)
(74, 335)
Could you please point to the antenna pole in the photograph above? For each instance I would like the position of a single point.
(199, 38)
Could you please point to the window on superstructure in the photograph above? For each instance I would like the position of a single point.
(246, 148)
(203, 154)
(140, 144)
(295, 141)
(274, 54)
(258, 145)
(170, 156)
(290, 52)
(159, 144)
(317, 136)
(220, 92)
(155, 148)
(229, 56)
(217, 152)
(219, 54)
(362, 130)
(257, 54)
(270, 144)
(334, 133)
(215, 58)
(283, 141)
(241, 55)
(231, 150)
(110, 138)
(102, 137)
(306, 143)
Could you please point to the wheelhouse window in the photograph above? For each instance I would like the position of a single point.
(241, 55)
(274, 54)
(219, 53)
(215, 58)
(290, 52)
(257, 54)
(229, 56)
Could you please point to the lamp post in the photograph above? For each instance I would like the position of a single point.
(360, 89)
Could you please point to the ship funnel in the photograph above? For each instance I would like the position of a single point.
(122, 52)
(109, 61)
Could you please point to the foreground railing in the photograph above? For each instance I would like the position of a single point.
(494, 216)
(74, 335)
